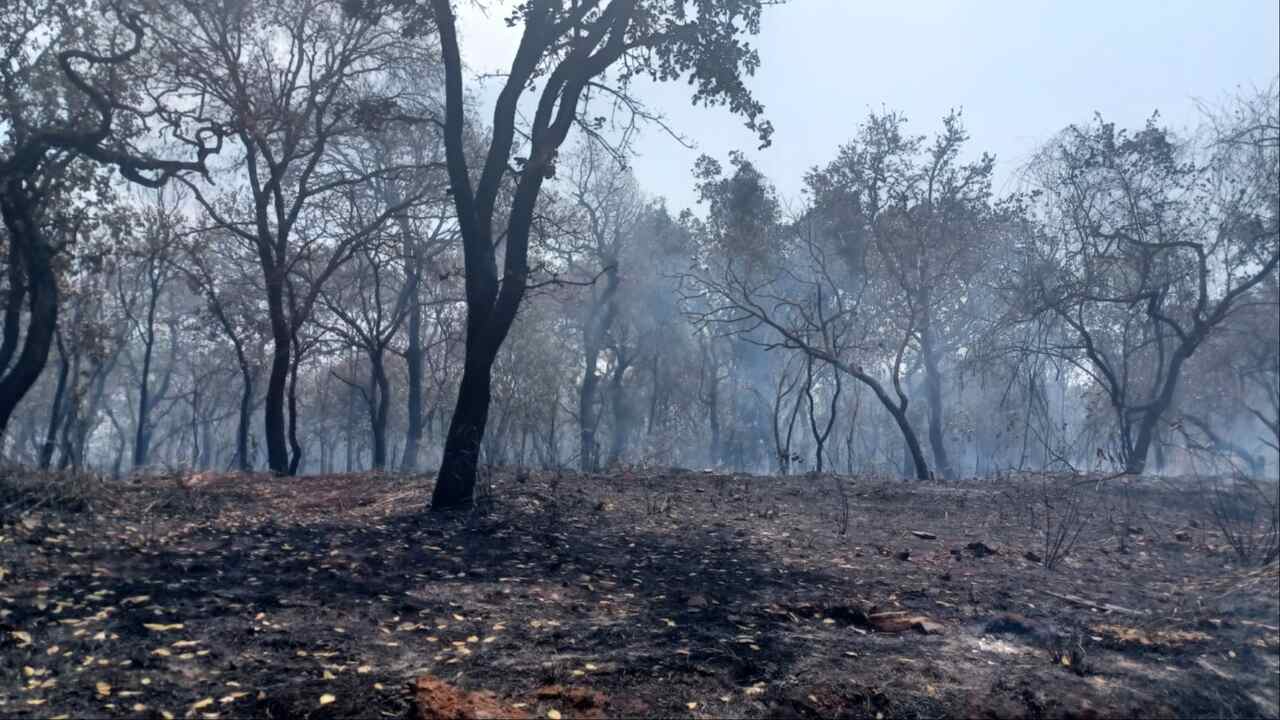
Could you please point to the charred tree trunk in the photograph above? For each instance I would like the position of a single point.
(1137, 457)
(295, 447)
(36, 257)
(933, 396)
(413, 361)
(242, 461)
(380, 398)
(13, 305)
(58, 408)
(273, 412)
(142, 436)
(456, 480)
(587, 460)
(618, 402)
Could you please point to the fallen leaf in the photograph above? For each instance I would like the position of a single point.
(103, 689)
(553, 714)
(327, 698)
(160, 627)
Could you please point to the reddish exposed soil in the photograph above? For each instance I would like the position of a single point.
(624, 595)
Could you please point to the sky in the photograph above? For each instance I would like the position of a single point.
(1019, 69)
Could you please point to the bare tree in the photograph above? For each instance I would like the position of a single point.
(568, 51)
(291, 80)
(1151, 249)
(49, 140)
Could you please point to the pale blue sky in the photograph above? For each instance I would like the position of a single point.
(1021, 70)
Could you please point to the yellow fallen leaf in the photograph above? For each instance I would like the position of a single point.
(139, 707)
(553, 714)
(23, 637)
(166, 715)
(364, 669)
(328, 675)
(691, 705)
(104, 689)
(472, 639)
(326, 698)
(202, 703)
(161, 627)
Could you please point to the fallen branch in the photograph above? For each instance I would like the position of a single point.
(1082, 602)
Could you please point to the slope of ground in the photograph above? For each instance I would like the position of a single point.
(674, 594)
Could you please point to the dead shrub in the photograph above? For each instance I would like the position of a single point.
(23, 491)
(1054, 510)
(1247, 513)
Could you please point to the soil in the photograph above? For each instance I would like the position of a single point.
(629, 594)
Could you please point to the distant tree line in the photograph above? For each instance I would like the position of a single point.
(278, 235)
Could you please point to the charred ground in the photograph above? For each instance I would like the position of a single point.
(640, 592)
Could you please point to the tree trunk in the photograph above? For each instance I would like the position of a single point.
(1137, 459)
(413, 361)
(243, 461)
(13, 306)
(273, 412)
(933, 395)
(295, 447)
(142, 437)
(619, 444)
(42, 292)
(456, 479)
(587, 410)
(381, 392)
(58, 407)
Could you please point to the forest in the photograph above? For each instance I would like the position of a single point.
(303, 321)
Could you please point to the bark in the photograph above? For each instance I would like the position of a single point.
(380, 400)
(619, 445)
(273, 414)
(42, 293)
(242, 459)
(17, 292)
(587, 421)
(58, 409)
(455, 483)
(933, 396)
(1137, 460)
(295, 447)
(413, 362)
(142, 438)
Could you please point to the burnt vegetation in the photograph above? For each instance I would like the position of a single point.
(338, 381)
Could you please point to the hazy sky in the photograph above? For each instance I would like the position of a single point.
(1020, 69)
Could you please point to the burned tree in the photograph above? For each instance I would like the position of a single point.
(1152, 244)
(58, 145)
(566, 53)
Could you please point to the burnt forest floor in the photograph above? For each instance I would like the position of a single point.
(627, 594)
